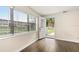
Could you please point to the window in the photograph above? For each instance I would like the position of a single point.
(20, 21)
(4, 20)
(15, 21)
(32, 23)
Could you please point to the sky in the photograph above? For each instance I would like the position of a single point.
(4, 12)
(18, 15)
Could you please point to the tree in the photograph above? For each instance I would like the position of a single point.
(50, 22)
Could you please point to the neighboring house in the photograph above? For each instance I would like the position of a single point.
(18, 24)
(4, 22)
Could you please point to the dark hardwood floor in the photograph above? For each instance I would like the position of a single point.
(52, 45)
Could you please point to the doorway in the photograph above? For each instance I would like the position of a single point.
(50, 27)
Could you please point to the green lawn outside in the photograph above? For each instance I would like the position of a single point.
(50, 30)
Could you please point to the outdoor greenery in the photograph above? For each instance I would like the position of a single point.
(50, 25)
(50, 30)
(17, 29)
(20, 29)
(4, 30)
(50, 21)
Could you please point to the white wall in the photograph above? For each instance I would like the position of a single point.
(67, 25)
(17, 42)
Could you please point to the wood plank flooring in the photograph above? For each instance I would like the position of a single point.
(52, 45)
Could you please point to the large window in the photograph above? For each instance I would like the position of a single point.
(4, 20)
(14, 21)
(32, 23)
(20, 22)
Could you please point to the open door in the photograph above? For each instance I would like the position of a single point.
(42, 27)
(50, 22)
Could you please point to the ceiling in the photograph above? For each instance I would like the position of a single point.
(47, 10)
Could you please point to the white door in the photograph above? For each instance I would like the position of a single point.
(42, 27)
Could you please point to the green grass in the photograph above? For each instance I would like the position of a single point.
(51, 30)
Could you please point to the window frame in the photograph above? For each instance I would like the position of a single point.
(18, 11)
(33, 17)
(28, 17)
(11, 23)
